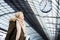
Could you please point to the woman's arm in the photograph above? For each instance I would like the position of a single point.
(18, 30)
(20, 24)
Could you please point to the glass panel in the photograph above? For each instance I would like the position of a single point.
(46, 18)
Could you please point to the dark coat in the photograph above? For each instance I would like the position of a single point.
(11, 34)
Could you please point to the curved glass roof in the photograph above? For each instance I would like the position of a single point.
(48, 19)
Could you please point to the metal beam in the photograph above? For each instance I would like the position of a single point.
(3, 29)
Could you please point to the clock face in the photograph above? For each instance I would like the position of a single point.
(45, 6)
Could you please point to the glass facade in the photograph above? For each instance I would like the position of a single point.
(46, 11)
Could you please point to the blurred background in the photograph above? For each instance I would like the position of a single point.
(46, 11)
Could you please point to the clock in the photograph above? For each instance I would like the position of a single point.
(45, 6)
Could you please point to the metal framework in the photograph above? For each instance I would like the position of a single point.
(31, 19)
(29, 15)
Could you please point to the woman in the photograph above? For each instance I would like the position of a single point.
(16, 29)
